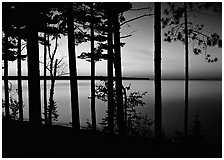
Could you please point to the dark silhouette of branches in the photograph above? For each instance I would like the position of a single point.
(133, 19)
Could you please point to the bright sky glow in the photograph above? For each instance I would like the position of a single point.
(138, 53)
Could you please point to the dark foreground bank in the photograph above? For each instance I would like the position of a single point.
(21, 140)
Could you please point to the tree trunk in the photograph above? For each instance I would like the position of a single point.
(186, 72)
(20, 93)
(7, 114)
(118, 73)
(52, 93)
(72, 68)
(157, 68)
(33, 68)
(93, 110)
(45, 81)
(125, 106)
(110, 77)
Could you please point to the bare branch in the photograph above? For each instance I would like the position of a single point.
(130, 20)
(139, 9)
(129, 35)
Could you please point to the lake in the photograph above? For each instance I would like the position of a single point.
(205, 99)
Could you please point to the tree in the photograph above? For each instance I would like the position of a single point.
(20, 93)
(118, 73)
(72, 68)
(33, 65)
(186, 71)
(52, 105)
(106, 25)
(45, 81)
(120, 8)
(157, 71)
(6, 80)
(13, 29)
(13, 104)
(111, 102)
(93, 110)
(136, 123)
(187, 32)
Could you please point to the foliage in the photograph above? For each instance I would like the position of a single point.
(136, 123)
(200, 38)
(98, 54)
(54, 110)
(13, 104)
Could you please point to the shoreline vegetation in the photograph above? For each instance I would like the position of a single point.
(34, 142)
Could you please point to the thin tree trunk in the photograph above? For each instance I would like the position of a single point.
(110, 77)
(20, 93)
(45, 81)
(125, 106)
(118, 73)
(93, 110)
(7, 114)
(72, 68)
(52, 93)
(157, 68)
(186, 72)
(33, 68)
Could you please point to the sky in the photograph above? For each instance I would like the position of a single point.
(138, 52)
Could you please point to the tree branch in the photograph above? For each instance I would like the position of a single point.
(130, 20)
(129, 35)
(138, 9)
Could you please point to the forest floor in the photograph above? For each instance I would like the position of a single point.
(20, 140)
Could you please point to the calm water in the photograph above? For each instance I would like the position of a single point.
(205, 98)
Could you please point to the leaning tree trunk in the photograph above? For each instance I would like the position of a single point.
(118, 74)
(93, 110)
(72, 68)
(33, 67)
(186, 72)
(7, 115)
(157, 68)
(20, 93)
(110, 77)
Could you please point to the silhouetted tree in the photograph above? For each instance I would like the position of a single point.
(33, 65)
(13, 103)
(6, 78)
(111, 102)
(13, 29)
(55, 68)
(120, 8)
(157, 71)
(137, 124)
(183, 31)
(51, 99)
(20, 93)
(118, 73)
(72, 68)
(93, 110)
(45, 81)
(186, 71)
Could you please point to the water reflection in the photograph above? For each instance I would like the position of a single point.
(204, 97)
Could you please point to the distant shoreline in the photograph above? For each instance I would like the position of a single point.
(101, 78)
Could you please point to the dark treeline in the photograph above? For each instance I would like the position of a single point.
(28, 25)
